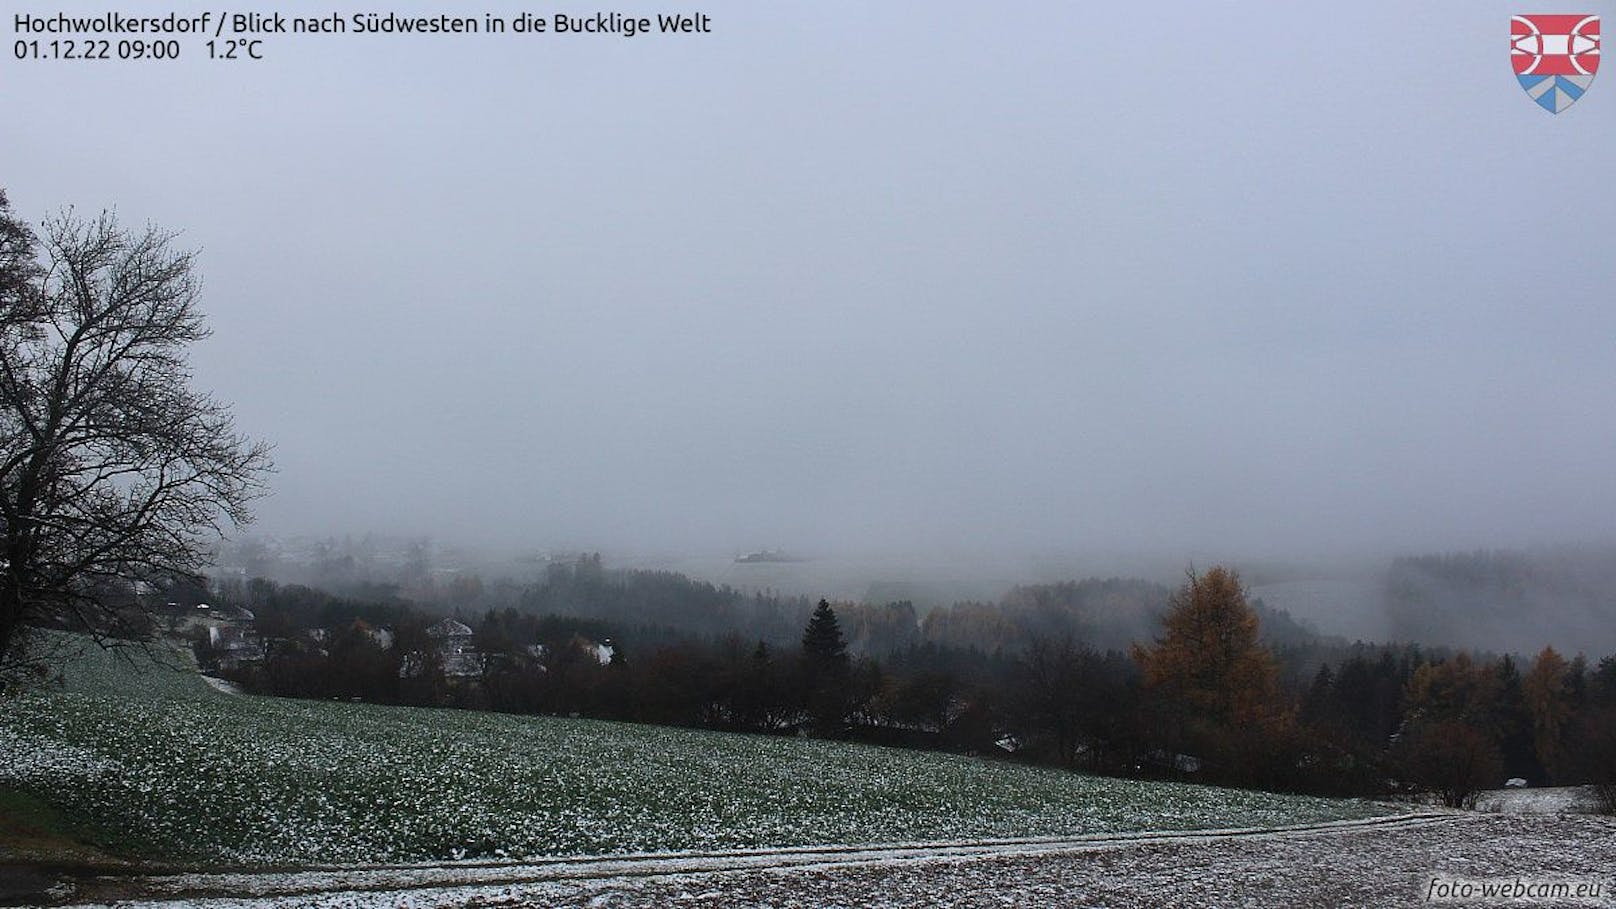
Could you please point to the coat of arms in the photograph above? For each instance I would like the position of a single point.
(1555, 57)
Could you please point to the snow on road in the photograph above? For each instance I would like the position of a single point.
(1554, 800)
(1380, 862)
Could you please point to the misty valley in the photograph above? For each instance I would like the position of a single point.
(807, 455)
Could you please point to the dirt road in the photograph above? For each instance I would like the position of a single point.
(1377, 862)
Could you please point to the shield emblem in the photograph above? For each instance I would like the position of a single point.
(1555, 57)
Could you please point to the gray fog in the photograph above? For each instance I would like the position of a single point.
(1174, 280)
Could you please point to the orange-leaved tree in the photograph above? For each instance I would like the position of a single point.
(1210, 660)
(1549, 701)
(1215, 683)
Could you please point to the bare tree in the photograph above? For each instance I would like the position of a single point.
(1058, 685)
(114, 473)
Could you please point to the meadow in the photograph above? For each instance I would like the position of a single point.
(150, 761)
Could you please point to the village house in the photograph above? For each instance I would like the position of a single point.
(452, 647)
(224, 636)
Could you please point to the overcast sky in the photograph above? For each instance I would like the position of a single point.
(1168, 277)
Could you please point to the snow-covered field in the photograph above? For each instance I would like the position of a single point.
(361, 805)
(220, 779)
(1369, 867)
(1372, 863)
(1549, 800)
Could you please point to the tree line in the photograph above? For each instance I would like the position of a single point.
(1206, 697)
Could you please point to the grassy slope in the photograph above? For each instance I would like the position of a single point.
(31, 829)
(151, 670)
(180, 772)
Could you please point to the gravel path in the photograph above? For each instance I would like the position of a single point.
(1371, 864)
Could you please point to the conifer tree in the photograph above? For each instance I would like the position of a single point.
(822, 643)
(825, 671)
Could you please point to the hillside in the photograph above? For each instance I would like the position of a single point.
(1506, 601)
(162, 668)
(210, 778)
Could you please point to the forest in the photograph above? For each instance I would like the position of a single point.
(1113, 676)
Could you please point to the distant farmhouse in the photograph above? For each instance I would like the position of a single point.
(224, 635)
(452, 647)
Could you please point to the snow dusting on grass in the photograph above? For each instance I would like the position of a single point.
(194, 775)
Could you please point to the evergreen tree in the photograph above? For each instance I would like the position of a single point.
(1318, 707)
(1515, 731)
(1602, 684)
(825, 675)
(823, 646)
(1360, 691)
